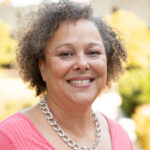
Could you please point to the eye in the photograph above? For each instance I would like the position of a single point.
(93, 53)
(66, 54)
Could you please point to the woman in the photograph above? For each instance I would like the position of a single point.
(69, 56)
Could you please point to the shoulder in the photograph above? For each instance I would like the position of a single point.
(13, 123)
(14, 130)
(119, 136)
(9, 128)
(18, 125)
(18, 132)
(116, 129)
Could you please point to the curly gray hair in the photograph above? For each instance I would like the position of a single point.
(42, 26)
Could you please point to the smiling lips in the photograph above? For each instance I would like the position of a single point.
(80, 82)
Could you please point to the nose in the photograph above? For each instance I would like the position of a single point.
(81, 63)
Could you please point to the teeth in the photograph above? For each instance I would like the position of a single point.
(80, 81)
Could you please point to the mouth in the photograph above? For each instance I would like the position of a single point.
(80, 82)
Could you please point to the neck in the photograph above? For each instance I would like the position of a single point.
(76, 120)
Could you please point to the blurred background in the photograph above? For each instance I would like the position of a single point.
(128, 101)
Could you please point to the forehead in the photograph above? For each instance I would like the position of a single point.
(82, 29)
(81, 24)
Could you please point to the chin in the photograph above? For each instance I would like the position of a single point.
(84, 100)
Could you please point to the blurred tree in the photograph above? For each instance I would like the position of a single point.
(142, 121)
(11, 106)
(7, 46)
(136, 36)
(134, 86)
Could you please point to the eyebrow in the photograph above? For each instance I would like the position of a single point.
(96, 44)
(89, 44)
(65, 44)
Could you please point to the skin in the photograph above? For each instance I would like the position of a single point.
(75, 52)
(75, 72)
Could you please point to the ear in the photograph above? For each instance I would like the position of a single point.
(42, 67)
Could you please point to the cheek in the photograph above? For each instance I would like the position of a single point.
(59, 68)
(100, 67)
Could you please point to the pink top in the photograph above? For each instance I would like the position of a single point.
(18, 133)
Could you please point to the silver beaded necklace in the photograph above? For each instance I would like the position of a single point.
(60, 132)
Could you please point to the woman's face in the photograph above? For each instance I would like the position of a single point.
(75, 66)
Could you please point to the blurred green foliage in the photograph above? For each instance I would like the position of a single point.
(7, 46)
(142, 122)
(134, 87)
